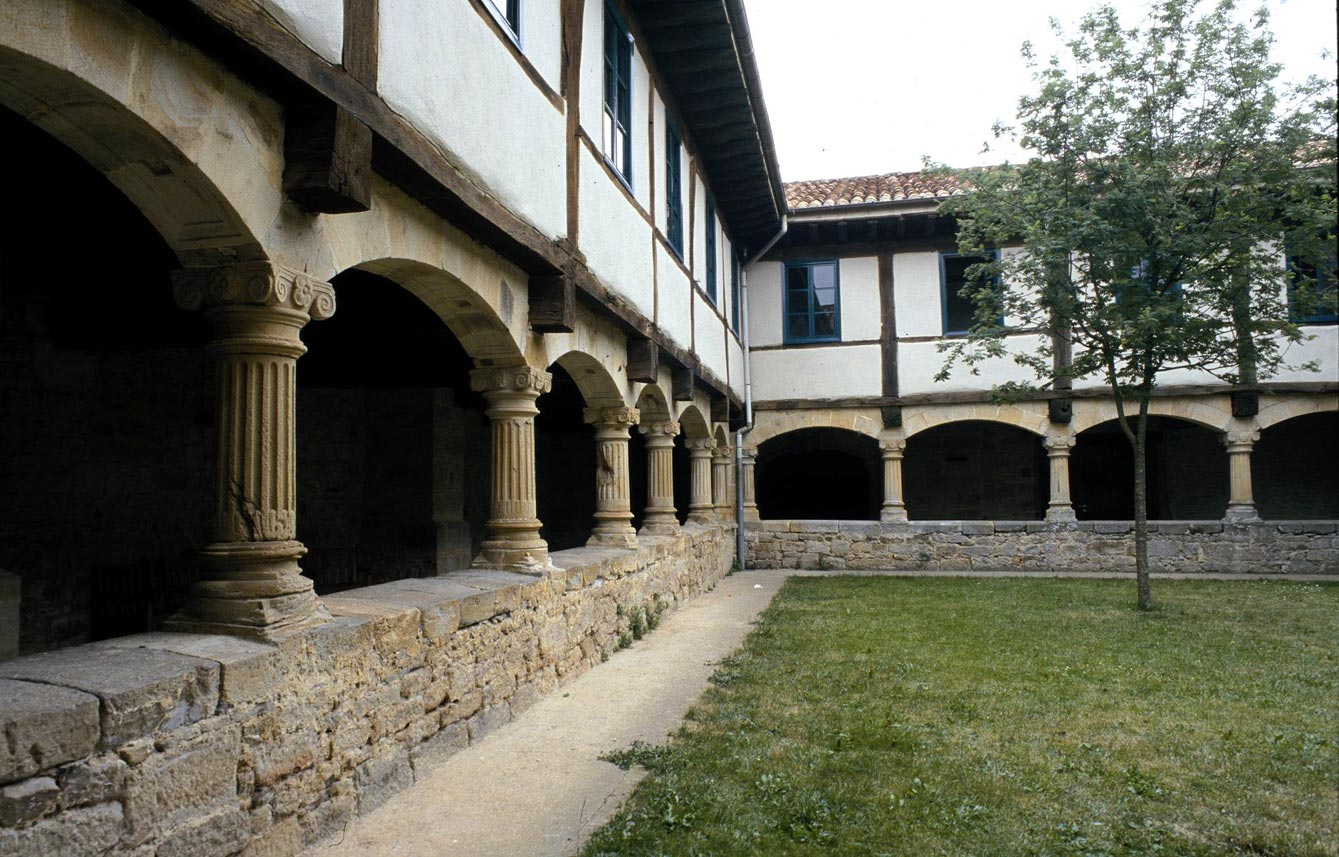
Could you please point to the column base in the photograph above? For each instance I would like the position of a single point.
(1241, 513)
(1061, 514)
(525, 558)
(706, 516)
(660, 524)
(893, 514)
(751, 513)
(253, 590)
(621, 537)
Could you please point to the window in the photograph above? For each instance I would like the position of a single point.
(959, 312)
(812, 302)
(1321, 302)
(508, 13)
(674, 189)
(617, 94)
(711, 250)
(735, 296)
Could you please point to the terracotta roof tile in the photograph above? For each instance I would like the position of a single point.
(863, 190)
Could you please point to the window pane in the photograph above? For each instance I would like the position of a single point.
(797, 280)
(825, 277)
(825, 298)
(797, 327)
(825, 324)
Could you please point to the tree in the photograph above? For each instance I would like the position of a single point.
(1170, 170)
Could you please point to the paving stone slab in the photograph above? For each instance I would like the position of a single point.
(44, 726)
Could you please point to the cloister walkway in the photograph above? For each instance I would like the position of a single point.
(537, 787)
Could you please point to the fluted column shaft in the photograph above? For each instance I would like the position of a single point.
(613, 496)
(1241, 494)
(513, 526)
(746, 474)
(720, 483)
(701, 509)
(894, 508)
(1060, 507)
(660, 518)
(253, 586)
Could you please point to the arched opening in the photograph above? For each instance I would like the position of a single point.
(654, 408)
(819, 474)
(1187, 472)
(975, 470)
(393, 448)
(564, 464)
(107, 439)
(692, 426)
(1294, 471)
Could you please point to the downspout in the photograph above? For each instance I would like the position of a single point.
(748, 389)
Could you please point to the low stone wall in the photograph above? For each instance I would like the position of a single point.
(1275, 547)
(180, 744)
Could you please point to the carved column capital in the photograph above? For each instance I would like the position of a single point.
(659, 433)
(702, 445)
(624, 418)
(520, 380)
(893, 447)
(258, 284)
(1240, 441)
(1058, 444)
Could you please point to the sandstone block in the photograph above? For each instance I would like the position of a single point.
(28, 800)
(327, 819)
(44, 726)
(249, 671)
(169, 789)
(96, 780)
(446, 743)
(487, 721)
(386, 773)
(284, 839)
(142, 690)
(90, 831)
(224, 832)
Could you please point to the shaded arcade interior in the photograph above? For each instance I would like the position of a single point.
(819, 474)
(1295, 469)
(1187, 472)
(975, 471)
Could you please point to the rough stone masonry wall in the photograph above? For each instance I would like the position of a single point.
(1274, 547)
(179, 744)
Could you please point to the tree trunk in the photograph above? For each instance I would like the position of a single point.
(1141, 507)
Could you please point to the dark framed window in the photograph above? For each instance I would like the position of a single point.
(617, 94)
(735, 295)
(674, 188)
(1321, 304)
(509, 13)
(711, 250)
(813, 302)
(959, 311)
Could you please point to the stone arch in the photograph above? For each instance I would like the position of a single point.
(694, 425)
(771, 424)
(819, 472)
(151, 126)
(1187, 466)
(597, 386)
(653, 404)
(1024, 415)
(1287, 408)
(975, 470)
(1213, 413)
(1294, 472)
(722, 437)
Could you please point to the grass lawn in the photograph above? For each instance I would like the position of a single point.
(871, 715)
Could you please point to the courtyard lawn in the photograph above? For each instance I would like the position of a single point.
(870, 716)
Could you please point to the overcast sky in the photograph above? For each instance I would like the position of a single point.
(856, 87)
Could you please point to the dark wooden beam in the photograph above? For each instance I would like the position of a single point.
(553, 304)
(327, 158)
(720, 409)
(892, 414)
(643, 360)
(681, 382)
(362, 40)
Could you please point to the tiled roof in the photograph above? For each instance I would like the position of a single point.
(892, 187)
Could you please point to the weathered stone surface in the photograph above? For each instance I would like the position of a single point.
(437, 749)
(89, 831)
(224, 832)
(249, 670)
(98, 779)
(169, 789)
(10, 599)
(27, 800)
(383, 775)
(283, 839)
(43, 726)
(142, 690)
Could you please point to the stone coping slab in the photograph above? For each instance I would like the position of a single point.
(44, 725)
(1162, 527)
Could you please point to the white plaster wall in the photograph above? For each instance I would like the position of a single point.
(709, 336)
(765, 310)
(916, 295)
(542, 38)
(817, 373)
(658, 161)
(699, 231)
(318, 23)
(615, 238)
(918, 362)
(445, 70)
(858, 280)
(1323, 348)
(641, 142)
(675, 298)
(735, 355)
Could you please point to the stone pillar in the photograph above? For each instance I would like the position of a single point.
(252, 585)
(613, 498)
(720, 483)
(660, 519)
(1060, 508)
(701, 509)
(894, 509)
(513, 525)
(746, 473)
(1241, 497)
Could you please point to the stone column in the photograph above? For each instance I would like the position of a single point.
(660, 519)
(750, 497)
(252, 585)
(894, 509)
(1060, 508)
(513, 526)
(613, 498)
(701, 509)
(1241, 496)
(720, 483)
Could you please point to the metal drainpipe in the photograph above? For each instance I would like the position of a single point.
(748, 390)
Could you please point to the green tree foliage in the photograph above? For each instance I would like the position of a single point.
(1171, 169)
